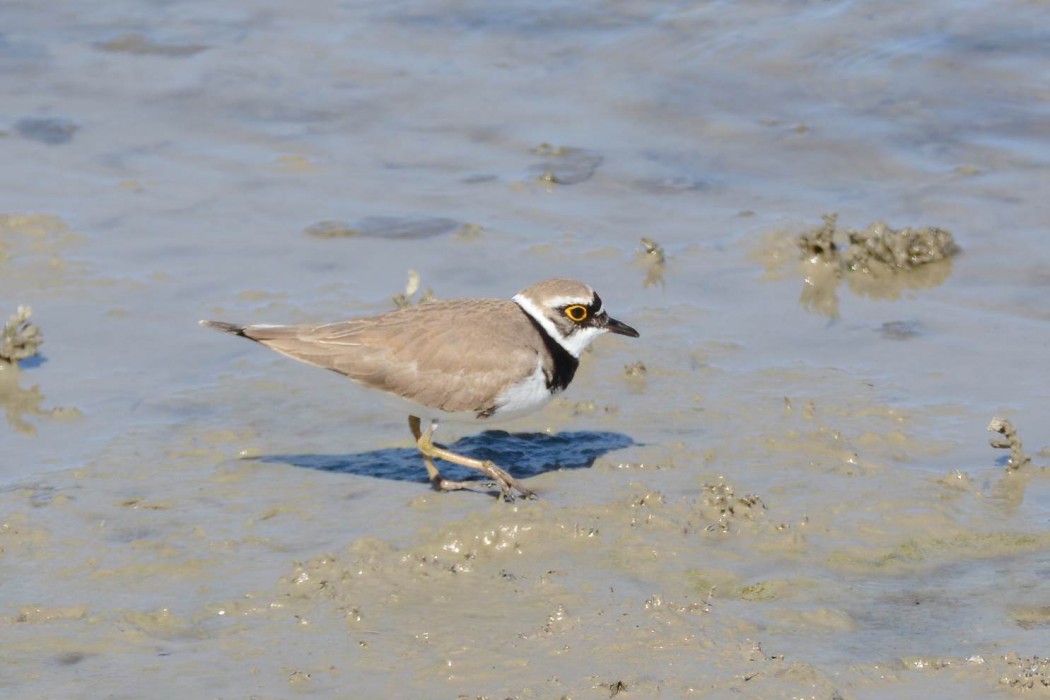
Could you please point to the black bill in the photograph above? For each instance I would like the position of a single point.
(620, 328)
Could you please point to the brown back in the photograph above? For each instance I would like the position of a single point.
(452, 356)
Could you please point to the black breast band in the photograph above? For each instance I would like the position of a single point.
(564, 363)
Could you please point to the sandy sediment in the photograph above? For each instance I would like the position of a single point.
(878, 262)
(19, 339)
(662, 569)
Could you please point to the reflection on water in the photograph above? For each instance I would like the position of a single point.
(654, 261)
(391, 227)
(562, 165)
(20, 403)
(821, 282)
(878, 263)
(20, 342)
(50, 130)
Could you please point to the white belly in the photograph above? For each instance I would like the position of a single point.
(522, 399)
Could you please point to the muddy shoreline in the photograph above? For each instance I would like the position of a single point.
(822, 473)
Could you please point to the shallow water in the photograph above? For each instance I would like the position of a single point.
(787, 502)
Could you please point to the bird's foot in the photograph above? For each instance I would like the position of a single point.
(440, 483)
(507, 483)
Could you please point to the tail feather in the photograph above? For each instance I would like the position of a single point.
(259, 332)
(225, 327)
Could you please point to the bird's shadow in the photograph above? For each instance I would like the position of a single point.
(522, 454)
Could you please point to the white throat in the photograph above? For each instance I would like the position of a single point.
(574, 344)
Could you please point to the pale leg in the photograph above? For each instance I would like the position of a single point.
(430, 452)
(439, 482)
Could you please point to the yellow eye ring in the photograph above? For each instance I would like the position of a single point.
(576, 313)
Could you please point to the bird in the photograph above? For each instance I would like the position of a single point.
(466, 360)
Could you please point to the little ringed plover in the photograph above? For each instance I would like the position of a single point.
(479, 360)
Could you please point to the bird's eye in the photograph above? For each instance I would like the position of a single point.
(576, 312)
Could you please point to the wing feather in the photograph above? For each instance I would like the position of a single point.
(453, 356)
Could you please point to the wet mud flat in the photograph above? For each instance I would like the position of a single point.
(705, 590)
(787, 552)
(711, 522)
(708, 524)
(822, 473)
